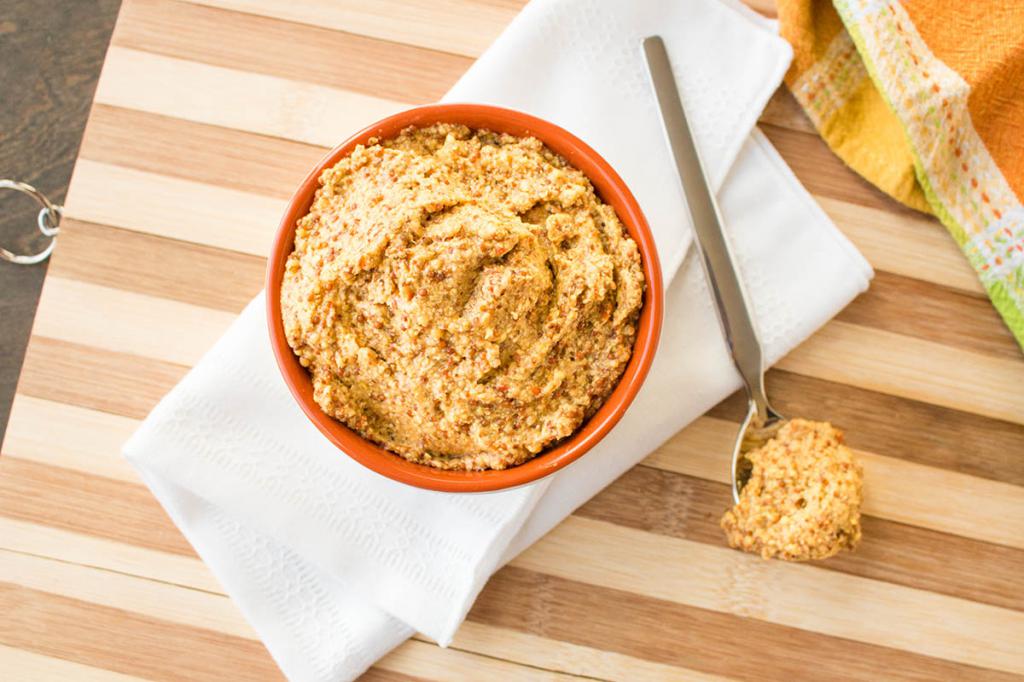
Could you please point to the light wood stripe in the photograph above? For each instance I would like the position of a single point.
(500, 642)
(925, 497)
(465, 28)
(127, 323)
(159, 328)
(87, 440)
(248, 101)
(424, 659)
(25, 665)
(724, 580)
(912, 368)
(905, 243)
(172, 207)
(378, 675)
(40, 540)
(203, 610)
(898, 490)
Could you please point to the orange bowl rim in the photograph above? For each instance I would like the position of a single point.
(612, 190)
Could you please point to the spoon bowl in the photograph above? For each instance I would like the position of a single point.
(758, 427)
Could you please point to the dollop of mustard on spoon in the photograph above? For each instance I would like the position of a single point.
(796, 487)
(803, 497)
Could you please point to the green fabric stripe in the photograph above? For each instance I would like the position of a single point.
(1011, 312)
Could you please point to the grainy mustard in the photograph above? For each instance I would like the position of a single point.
(803, 498)
(463, 298)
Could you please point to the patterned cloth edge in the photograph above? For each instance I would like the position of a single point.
(953, 169)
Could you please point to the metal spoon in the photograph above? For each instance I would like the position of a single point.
(730, 299)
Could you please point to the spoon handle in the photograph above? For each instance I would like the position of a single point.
(727, 289)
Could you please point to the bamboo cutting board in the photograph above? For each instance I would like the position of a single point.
(207, 115)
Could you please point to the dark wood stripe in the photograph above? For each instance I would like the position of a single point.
(91, 505)
(784, 111)
(877, 422)
(99, 636)
(122, 384)
(158, 266)
(823, 173)
(316, 55)
(269, 166)
(686, 507)
(766, 7)
(379, 675)
(948, 316)
(699, 639)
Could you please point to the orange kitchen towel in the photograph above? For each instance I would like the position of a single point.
(925, 99)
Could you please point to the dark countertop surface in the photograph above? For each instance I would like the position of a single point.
(51, 54)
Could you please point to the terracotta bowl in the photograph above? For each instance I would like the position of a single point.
(611, 189)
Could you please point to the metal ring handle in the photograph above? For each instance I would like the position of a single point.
(48, 222)
(49, 219)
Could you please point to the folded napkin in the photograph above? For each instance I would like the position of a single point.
(925, 99)
(334, 565)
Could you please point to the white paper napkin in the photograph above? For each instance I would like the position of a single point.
(334, 565)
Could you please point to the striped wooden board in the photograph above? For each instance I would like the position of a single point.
(208, 113)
